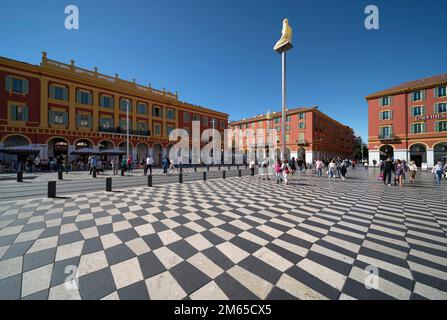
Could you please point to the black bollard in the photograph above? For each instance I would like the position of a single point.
(223, 175)
(208, 168)
(122, 172)
(204, 176)
(240, 173)
(195, 168)
(20, 176)
(109, 184)
(94, 172)
(60, 175)
(238, 167)
(180, 178)
(219, 168)
(51, 189)
(181, 169)
(149, 180)
(229, 168)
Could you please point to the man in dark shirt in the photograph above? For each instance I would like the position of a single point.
(388, 168)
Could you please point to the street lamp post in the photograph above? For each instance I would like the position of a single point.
(213, 124)
(127, 133)
(281, 47)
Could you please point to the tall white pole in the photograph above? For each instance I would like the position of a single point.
(213, 123)
(283, 122)
(127, 119)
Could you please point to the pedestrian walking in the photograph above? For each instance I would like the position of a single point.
(171, 167)
(149, 164)
(252, 167)
(278, 171)
(319, 165)
(388, 168)
(331, 169)
(264, 169)
(165, 165)
(286, 171)
(437, 171)
(343, 170)
(413, 169)
(400, 173)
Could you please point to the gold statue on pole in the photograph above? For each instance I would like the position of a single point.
(285, 43)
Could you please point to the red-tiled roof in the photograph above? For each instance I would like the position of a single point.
(411, 85)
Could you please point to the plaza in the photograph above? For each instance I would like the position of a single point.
(238, 238)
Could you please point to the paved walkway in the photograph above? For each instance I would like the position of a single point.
(240, 238)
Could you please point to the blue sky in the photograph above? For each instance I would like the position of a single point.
(218, 53)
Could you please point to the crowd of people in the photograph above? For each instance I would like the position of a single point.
(396, 171)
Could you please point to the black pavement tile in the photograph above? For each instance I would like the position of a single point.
(415, 296)
(7, 240)
(118, 254)
(63, 270)
(137, 222)
(105, 229)
(261, 234)
(218, 258)
(136, 291)
(182, 249)
(431, 281)
(233, 289)
(159, 227)
(383, 256)
(69, 238)
(10, 288)
(68, 220)
(279, 294)
(286, 254)
(39, 296)
(313, 282)
(150, 265)
(245, 245)
(333, 264)
(50, 232)
(359, 291)
(230, 228)
(38, 259)
(33, 226)
(153, 241)
(205, 223)
(85, 224)
(189, 277)
(96, 285)
(213, 238)
(92, 245)
(338, 249)
(17, 249)
(345, 237)
(296, 241)
(118, 217)
(184, 232)
(261, 269)
(127, 235)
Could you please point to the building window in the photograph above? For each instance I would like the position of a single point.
(142, 108)
(301, 138)
(417, 95)
(123, 105)
(277, 120)
(195, 118)
(440, 92)
(418, 128)
(106, 101)
(170, 114)
(186, 117)
(222, 124)
(278, 129)
(385, 101)
(19, 113)
(386, 132)
(169, 129)
(123, 124)
(16, 85)
(288, 118)
(301, 116)
(156, 112)
(58, 93)
(58, 117)
(84, 97)
(441, 108)
(157, 129)
(417, 111)
(105, 123)
(205, 122)
(302, 125)
(441, 126)
(287, 128)
(84, 120)
(142, 127)
(386, 115)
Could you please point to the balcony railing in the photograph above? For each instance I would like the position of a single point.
(118, 130)
(387, 137)
(302, 142)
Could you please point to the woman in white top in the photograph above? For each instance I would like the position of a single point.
(285, 171)
(332, 167)
(413, 169)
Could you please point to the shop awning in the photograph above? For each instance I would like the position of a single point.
(20, 150)
(86, 151)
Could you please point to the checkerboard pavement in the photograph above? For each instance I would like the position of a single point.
(239, 238)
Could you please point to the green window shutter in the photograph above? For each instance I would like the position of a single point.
(381, 102)
(412, 128)
(65, 118)
(391, 131)
(435, 108)
(424, 127)
(411, 97)
(26, 113)
(78, 96)
(422, 95)
(13, 113)
(8, 84)
(435, 92)
(90, 98)
(112, 102)
(390, 100)
(90, 121)
(101, 101)
(50, 117)
(78, 120)
(437, 126)
(391, 115)
(423, 110)
(65, 94)
(25, 86)
(381, 115)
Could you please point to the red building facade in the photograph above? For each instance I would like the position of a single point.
(409, 122)
(310, 134)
